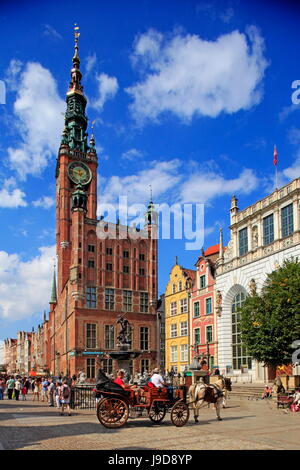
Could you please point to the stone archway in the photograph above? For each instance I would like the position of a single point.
(225, 352)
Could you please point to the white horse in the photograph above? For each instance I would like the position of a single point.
(200, 394)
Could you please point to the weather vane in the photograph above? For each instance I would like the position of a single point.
(150, 191)
(76, 32)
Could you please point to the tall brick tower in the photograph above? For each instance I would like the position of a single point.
(98, 279)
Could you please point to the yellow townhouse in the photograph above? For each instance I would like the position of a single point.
(177, 318)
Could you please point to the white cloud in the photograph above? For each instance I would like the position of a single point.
(163, 177)
(188, 76)
(90, 62)
(51, 32)
(10, 196)
(25, 286)
(39, 122)
(203, 187)
(132, 154)
(176, 181)
(12, 73)
(107, 87)
(45, 202)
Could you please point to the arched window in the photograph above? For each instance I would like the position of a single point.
(239, 352)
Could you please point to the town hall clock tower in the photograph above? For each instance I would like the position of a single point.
(98, 279)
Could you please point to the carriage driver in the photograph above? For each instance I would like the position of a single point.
(158, 381)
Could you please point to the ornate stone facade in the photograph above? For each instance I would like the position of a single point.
(262, 236)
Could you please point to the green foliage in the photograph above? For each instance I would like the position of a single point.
(270, 322)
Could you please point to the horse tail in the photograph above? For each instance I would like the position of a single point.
(192, 390)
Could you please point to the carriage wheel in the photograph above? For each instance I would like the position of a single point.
(180, 414)
(157, 412)
(112, 412)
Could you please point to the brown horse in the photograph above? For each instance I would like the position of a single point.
(200, 394)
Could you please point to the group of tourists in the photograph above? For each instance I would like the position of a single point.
(54, 392)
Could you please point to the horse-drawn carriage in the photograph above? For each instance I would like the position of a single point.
(115, 403)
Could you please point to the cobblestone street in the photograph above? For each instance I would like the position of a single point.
(246, 425)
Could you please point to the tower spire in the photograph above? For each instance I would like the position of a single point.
(53, 299)
(75, 118)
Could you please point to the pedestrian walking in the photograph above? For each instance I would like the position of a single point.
(24, 390)
(10, 387)
(45, 385)
(17, 388)
(36, 390)
(2, 388)
(51, 391)
(64, 397)
(57, 393)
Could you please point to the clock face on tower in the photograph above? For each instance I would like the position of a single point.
(79, 173)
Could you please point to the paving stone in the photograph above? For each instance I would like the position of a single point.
(246, 425)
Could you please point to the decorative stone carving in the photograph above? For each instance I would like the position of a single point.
(64, 244)
(219, 303)
(229, 251)
(252, 287)
(254, 237)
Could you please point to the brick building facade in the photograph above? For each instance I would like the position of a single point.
(99, 278)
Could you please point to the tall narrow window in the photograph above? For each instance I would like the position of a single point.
(91, 248)
(208, 306)
(109, 340)
(183, 328)
(196, 309)
(173, 308)
(109, 251)
(91, 263)
(127, 300)
(91, 300)
(109, 299)
(197, 335)
(239, 352)
(144, 300)
(174, 355)
(287, 220)
(268, 228)
(184, 352)
(91, 335)
(184, 305)
(90, 368)
(107, 365)
(202, 281)
(243, 241)
(144, 338)
(125, 269)
(144, 365)
(209, 334)
(173, 330)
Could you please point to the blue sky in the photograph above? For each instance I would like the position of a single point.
(189, 96)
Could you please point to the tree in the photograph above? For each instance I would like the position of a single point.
(270, 322)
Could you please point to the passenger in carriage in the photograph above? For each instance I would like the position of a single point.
(137, 390)
(158, 381)
(119, 380)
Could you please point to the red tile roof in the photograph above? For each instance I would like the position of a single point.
(212, 250)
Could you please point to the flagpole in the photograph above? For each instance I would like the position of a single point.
(275, 161)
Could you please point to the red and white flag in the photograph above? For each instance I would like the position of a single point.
(275, 156)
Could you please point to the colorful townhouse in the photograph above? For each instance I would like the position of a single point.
(203, 318)
(177, 318)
